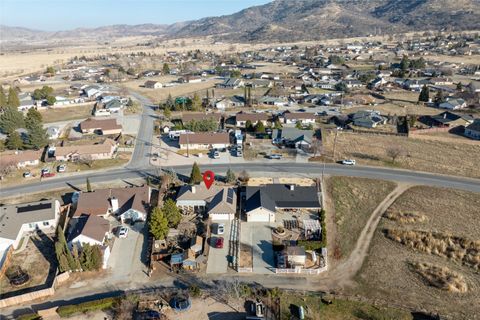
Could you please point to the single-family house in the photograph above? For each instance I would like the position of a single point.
(152, 84)
(16, 220)
(53, 132)
(113, 106)
(231, 83)
(474, 86)
(304, 118)
(448, 119)
(129, 204)
(368, 119)
(352, 84)
(230, 102)
(473, 130)
(100, 151)
(100, 126)
(262, 202)
(241, 118)
(293, 137)
(451, 103)
(20, 159)
(204, 140)
(220, 203)
(436, 81)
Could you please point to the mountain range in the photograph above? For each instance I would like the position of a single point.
(294, 20)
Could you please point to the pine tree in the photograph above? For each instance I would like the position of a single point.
(33, 116)
(166, 69)
(158, 224)
(3, 98)
(61, 258)
(195, 175)
(405, 63)
(37, 136)
(14, 141)
(277, 124)
(13, 101)
(96, 257)
(439, 97)
(172, 213)
(89, 186)
(10, 120)
(167, 113)
(424, 94)
(196, 102)
(230, 176)
(86, 257)
(260, 127)
(248, 126)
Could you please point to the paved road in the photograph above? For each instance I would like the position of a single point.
(301, 169)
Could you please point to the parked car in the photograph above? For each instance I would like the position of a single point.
(181, 303)
(219, 243)
(123, 232)
(45, 171)
(348, 162)
(221, 228)
(215, 155)
(27, 174)
(239, 153)
(274, 156)
(48, 175)
(62, 168)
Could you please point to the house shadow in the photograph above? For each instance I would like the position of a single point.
(226, 315)
(266, 250)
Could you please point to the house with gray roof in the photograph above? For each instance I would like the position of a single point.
(262, 202)
(368, 119)
(473, 130)
(293, 137)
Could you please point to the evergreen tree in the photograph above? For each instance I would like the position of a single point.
(424, 94)
(196, 102)
(405, 63)
(248, 126)
(260, 127)
(230, 176)
(167, 113)
(277, 124)
(96, 257)
(298, 125)
(3, 98)
(10, 120)
(13, 101)
(459, 86)
(439, 98)
(51, 100)
(50, 70)
(195, 175)
(166, 69)
(172, 213)
(2, 146)
(33, 116)
(89, 186)
(86, 257)
(158, 224)
(14, 141)
(61, 258)
(37, 136)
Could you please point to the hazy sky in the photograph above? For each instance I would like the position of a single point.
(52, 15)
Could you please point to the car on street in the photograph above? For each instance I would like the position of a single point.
(123, 232)
(45, 171)
(274, 156)
(215, 155)
(219, 243)
(27, 174)
(348, 162)
(220, 228)
(62, 168)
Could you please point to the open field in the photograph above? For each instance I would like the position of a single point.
(430, 156)
(67, 113)
(338, 310)
(388, 275)
(397, 108)
(354, 200)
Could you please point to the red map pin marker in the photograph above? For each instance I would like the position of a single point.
(208, 178)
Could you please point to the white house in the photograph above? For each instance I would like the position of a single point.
(153, 84)
(304, 118)
(204, 140)
(453, 104)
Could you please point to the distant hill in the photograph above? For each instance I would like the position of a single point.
(292, 20)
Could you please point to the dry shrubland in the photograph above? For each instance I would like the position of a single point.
(454, 248)
(440, 277)
(405, 217)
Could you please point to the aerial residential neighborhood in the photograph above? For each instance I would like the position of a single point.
(255, 159)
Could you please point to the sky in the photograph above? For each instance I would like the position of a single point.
(55, 15)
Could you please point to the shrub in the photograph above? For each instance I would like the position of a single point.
(195, 291)
(101, 304)
(29, 316)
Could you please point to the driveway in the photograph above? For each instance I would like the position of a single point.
(217, 258)
(125, 260)
(258, 235)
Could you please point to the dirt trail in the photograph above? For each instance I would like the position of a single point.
(343, 273)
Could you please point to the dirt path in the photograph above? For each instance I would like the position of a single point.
(342, 274)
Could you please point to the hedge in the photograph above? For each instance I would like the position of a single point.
(29, 316)
(101, 304)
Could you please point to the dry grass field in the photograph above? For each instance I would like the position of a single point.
(354, 200)
(399, 109)
(67, 113)
(422, 155)
(416, 278)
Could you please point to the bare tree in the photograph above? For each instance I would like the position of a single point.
(6, 169)
(317, 147)
(394, 152)
(244, 176)
(86, 161)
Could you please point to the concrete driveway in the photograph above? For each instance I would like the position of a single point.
(258, 235)
(217, 258)
(125, 260)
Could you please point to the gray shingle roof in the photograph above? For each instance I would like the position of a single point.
(273, 196)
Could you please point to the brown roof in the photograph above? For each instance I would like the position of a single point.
(150, 83)
(96, 228)
(299, 115)
(98, 202)
(13, 158)
(252, 116)
(105, 147)
(200, 116)
(204, 138)
(99, 124)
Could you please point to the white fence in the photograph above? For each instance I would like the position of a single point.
(301, 270)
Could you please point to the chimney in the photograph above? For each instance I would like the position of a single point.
(114, 204)
(445, 115)
(292, 187)
(194, 189)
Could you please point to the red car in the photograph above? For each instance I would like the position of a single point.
(48, 175)
(219, 243)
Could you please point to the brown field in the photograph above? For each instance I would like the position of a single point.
(399, 109)
(440, 277)
(387, 273)
(354, 200)
(422, 155)
(67, 113)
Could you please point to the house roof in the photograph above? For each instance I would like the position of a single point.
(14, 158)
(446, 117)
(219, 199)
(273, 196)
(91, 226)
(150, 83)
(198, 116)
(299, 115)
(254, 117)
(204, 138)
(105, 147)
(293, 134)
(475, 126)
(197, 192)
(12, 217)
(295, 251)
(224, 202)
(98, 201)
(99, 124)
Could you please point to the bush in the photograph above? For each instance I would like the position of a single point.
(101, 304)
(29, 316)
(195, 291)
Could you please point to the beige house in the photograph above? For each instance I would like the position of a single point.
(204, 140)
(20, 159)
(101, 151)
(100, 126)
(242, 118)
(153, 84)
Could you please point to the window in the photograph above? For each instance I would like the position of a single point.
(31, 225)
(46, 223)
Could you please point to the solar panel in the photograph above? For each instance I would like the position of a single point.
(230, 196)
(36, 207)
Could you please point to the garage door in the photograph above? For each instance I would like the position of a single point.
(260, 215)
